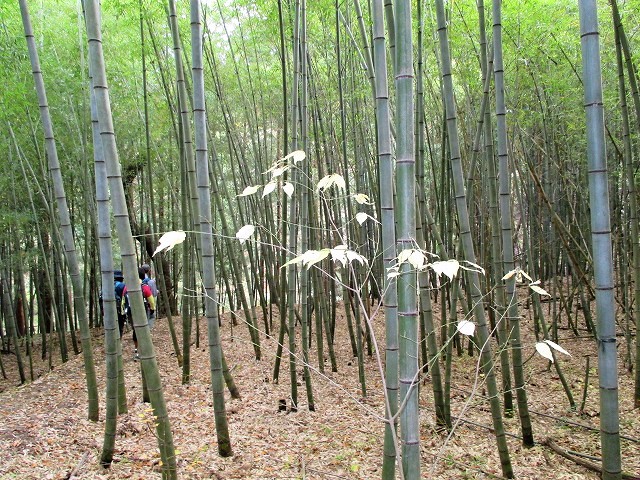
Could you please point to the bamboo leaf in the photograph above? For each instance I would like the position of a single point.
(466, 327)
(538, 289)
(245, 232)
(268, 188)
(170, 240)
(361, 217)
(250, 190)
(279, 171)
(417, 259)
(311, 257)
(447, 267)
(297, 156)
(362, 199)
(404, 255)
(288, 189)
(557, 347)
(544, 350)
(297, 259)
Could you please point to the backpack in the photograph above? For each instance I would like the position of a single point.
(146, 293)
(119, 288)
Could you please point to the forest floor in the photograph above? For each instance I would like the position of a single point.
(44, 433)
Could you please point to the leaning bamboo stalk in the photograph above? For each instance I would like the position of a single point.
(63, 215)
(125, 238)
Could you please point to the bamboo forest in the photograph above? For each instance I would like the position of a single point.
(348, 239)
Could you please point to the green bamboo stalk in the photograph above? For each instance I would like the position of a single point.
(467, 243)
(192, 222)
(188, 274)
(204, 202)
(10, 321)
(387, 218)
(512, 315)
(305, 183)
(430, 345)
(64, 217)
(406, 233)
(125, 239)
(537, 307)
(485, 124)
(116, 395)
(293, 213)
(634, 238)
(152, 207)
(632, 72)
(183, 104)
(324, 237)
(601, 240)
(630, 181)
(348, 279)
(315, 242)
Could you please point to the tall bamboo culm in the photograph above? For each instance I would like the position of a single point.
(64, 217)
(206, 231)
(125, 240)
(405, 238)
(633, 202)
(387, 214)
(475, 289)
(504, 173)
(601, 240)
(623, 44)
(293, 214)
(115, 391)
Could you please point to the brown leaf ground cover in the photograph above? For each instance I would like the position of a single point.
(44, 433)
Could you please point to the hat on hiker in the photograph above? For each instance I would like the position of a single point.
(117, 275)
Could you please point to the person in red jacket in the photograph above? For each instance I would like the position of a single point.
(149, 306)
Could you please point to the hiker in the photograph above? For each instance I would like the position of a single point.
(122, 304)
(149, 306)
(149, 280)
